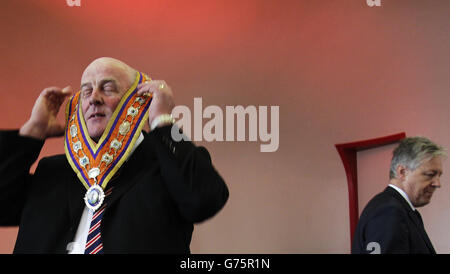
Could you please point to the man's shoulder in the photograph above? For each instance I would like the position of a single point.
(57, 157)
(55, 162)
(386, 202)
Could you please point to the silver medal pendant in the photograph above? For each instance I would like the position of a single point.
(94, 197)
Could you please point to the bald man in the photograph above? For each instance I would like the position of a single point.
(117, 189)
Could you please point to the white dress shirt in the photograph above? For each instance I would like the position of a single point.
(404, 195)
(79, 243)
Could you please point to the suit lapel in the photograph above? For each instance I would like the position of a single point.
(412, 215)
(419, 224)
(144, 156)
(75, 193)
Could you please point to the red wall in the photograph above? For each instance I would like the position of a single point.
(339, 70)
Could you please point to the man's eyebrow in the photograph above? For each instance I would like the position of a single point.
(436, 171)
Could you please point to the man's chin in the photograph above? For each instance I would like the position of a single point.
(422, 203)
(95, 129)
(95, 136)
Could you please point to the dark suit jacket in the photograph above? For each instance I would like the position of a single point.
(389, 221)
(162, 189)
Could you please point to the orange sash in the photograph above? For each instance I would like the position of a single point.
(96, 164)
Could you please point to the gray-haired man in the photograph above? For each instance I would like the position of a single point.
(390, 223)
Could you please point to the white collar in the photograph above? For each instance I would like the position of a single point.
(404, 195)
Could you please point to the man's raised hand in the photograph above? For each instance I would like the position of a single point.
(43, 122)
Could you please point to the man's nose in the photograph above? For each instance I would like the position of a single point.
(96, 97)
(436, 182)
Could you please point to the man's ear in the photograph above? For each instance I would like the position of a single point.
(402, 172)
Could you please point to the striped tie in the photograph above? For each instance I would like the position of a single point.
(94, 243)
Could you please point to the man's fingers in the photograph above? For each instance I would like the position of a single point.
(152, 86)
(57, 91)
(56, 94)
(52, 98)
(49, 91)
(144, 91)
(143, 88)
(67, 91)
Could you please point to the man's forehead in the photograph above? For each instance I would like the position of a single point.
(110, 68)
(100, 72)
(434, 163)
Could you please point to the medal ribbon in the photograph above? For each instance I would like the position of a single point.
(96, 164)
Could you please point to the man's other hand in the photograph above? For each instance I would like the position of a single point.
(43, 123)
(162, 102)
